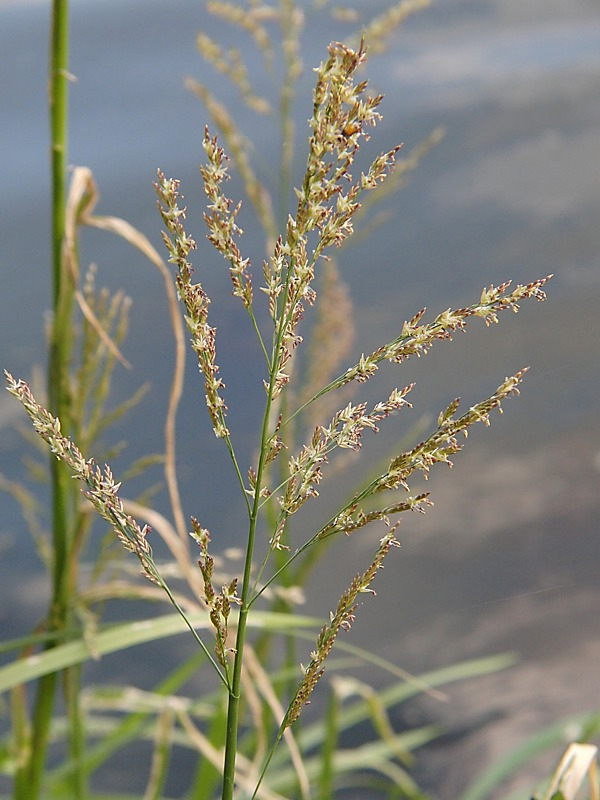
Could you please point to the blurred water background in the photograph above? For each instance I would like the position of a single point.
(508, 558)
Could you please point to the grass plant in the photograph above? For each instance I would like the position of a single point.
(309, 418)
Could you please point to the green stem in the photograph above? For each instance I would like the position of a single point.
(29, 778)
(59, 394)
(233, 709)
(58, 100)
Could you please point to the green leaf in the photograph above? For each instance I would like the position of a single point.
(121, 637)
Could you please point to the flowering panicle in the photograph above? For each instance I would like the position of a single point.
(305, 474)
(101, 489)
(340, 118)
(345, 430)
(195, 299)
(237, 146)
(443, 442)
(328, 201)
(273, 271)
(438, 447)
(276, 443)
(221, 222)
(294, 273)
(417, 339)
(329, 195)
(219, 604)
(341, 620)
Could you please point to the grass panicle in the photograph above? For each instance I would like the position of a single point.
(310, 417)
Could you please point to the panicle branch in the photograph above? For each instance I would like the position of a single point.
(443, 442)
(194, 298)
(342, 619)
(417, 339)
(101, 489)
(221, 222)
(345, 430)
(238, 148)
(353, 517)
(439, 447)
(219, 604)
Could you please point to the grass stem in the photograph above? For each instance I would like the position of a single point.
(29, 780)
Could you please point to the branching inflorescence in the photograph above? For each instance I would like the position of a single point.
(327, 201)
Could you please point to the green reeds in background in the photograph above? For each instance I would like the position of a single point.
(236, 616)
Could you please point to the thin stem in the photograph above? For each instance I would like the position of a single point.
(284, 566)
(233, 710)
(184, 617)
(235, 692)
(237, 469)
(258, 335)
(270, 755)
